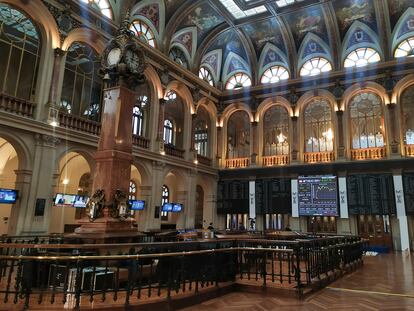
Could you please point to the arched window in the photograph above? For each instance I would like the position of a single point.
(100, 5)
(179, 57)
(238, 80)
(238, 135)
(206, 75)
(137, 118)
(143, 32)
(315, 66)
(274, 74)
(168, 132)
(165, 198)
(319, 135)
(20, 49)
(201, 138)
(82, 86)
(407, 107)
(132, 190)
(171, 95)
(276, 131)
(405, 48)
(361, 57)
(367, 122)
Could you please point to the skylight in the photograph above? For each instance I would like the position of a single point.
(282, 3)
(102, 5)
(235, 10)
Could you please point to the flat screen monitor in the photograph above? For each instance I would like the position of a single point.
(8, 196)
(81, 201)
(167, 207)
(318, 195)
(136, 205)
(177, 207)
(65, 199)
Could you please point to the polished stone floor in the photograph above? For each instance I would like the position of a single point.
(385, 282)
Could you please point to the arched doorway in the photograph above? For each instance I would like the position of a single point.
(9, 163)
(74, 179)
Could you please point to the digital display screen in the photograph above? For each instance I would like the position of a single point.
(167, 207)
(318, 196)
(8, 196)
(136, 205)
(65, 199)
(81, 201)
(177, 207)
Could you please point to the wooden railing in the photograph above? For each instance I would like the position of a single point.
(276, 160)
(203, 160)
(79, 124)
(237, 163)
(16, 105)
(140, 141)
(174, 151)
(409, 150)
(315, 157)
(368, 153)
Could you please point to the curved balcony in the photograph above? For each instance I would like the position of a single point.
(368, 153)
(16, 105)
(276, 160)
(237, 163)
(174, 151)
(140, 141)
(79, 124)
(317, 157)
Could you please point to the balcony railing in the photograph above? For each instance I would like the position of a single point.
(203, 160)
(16, 105)
(368, 153)
(409, 150)
(315, 157)
(276, 160)
(140, 141)
(237, 163)
(79, 124)
(174, 151)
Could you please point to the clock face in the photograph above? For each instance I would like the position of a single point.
(132, 60)
(114, 56)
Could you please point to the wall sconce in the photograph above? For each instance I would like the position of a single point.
(53, 117)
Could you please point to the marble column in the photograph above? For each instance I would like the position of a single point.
(295, 140)
(340, 140)
(394, 145)
(219, 157)
(255, 144)
(148, 212)
(154, 207)
(114, 155)
(161, 116)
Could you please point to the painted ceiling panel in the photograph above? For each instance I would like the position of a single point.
(263, 32)
(171, 6)
(229, 41)
(349, 11)
(204, 17)
(397, 8)
(307, 20)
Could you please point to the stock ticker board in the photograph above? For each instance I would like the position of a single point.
(318, 196)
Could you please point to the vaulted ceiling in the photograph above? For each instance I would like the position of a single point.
(249, 36)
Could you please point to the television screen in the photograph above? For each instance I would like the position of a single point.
(318, 196)
(177, 207)
(167, 207)
(81, 201)
(65, 199)
(136, 205)
(8, 196)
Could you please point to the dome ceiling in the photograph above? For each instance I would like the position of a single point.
(250, 36)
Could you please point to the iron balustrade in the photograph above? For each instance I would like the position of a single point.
(50, 274)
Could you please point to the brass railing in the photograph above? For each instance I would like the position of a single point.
(140, 141)
(79, 124)
(174, 151)
(237, 163)
(368, 153)
(315, 157)
(16, 105)
(409, 150)
(276, 160)
(33, 275)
